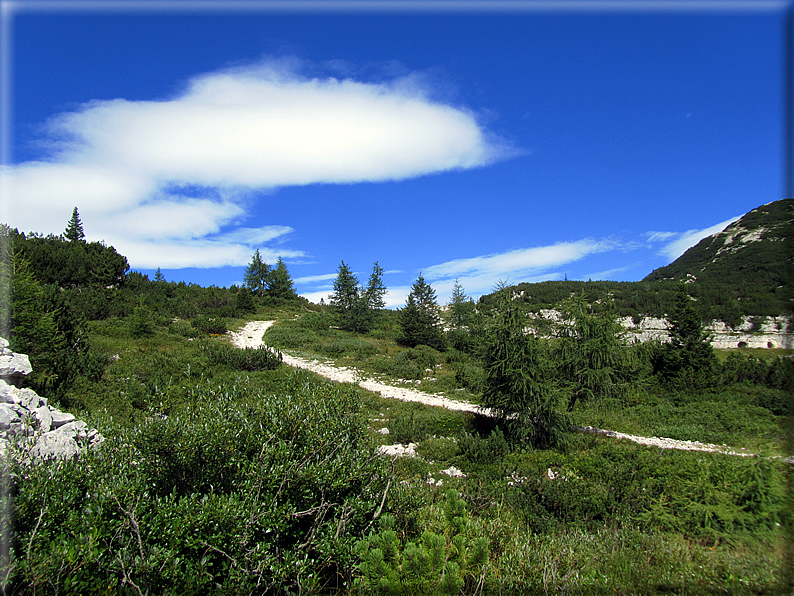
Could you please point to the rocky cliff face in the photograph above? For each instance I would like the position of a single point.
(30, 428)
(772, 333)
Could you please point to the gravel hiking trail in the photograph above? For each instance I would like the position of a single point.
(250, 336)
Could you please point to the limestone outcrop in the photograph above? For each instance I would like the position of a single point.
(772, 332)
(30, 428)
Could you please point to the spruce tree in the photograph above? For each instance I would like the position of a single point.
(688, 360)
(279, 284)
(349, 302)
(158, 275)
(420, 320)
(376, 290)
(74, 230)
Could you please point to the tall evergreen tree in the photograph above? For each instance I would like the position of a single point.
(376, 290)
(420, 319)
(158, 275)
(349, 302)
(460, 307)
(256, 274)
(688, 359)
(591, 357)
(74, 230)
(518, 384)
(279, 283)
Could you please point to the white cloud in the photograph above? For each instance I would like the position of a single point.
(690, 238)
(660, 236)
(171, 172)
(310, 279)
(517, 262)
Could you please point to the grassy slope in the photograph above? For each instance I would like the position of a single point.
(628, 519)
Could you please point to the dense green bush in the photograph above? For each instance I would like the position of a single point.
(246, 359)
(482, 451)
(210, 325)
(438, 563)
(241, 492)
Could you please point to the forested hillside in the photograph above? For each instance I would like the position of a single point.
(225, 471)
(743, 271)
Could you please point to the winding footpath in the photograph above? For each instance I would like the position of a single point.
(250, 336)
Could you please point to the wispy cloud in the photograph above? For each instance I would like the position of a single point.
(182, 172)
(683, 241)
(520, 261)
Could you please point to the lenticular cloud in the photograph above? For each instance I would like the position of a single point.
(234, 132)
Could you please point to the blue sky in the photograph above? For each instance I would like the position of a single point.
(595, 142)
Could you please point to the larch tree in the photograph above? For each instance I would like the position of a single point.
(518, 385)
(256, 274)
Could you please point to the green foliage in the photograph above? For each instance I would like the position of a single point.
(518, 384)
(491, 449)
(74, 230)
(350, 302)
(375, 290)
(242, 492)
(244, 301)
(256, 274)
(280, 289)
(419, 319)
(209, 325)
(246, 359)
(438, 563)
(688, 359)
(590, 356)
(461, 307)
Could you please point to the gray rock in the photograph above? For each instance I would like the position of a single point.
(54, 445)
(60, 418)
(44, 417)
(14, 365)
(7, 416)
(29, 399)
(7, 392)
(74, 429)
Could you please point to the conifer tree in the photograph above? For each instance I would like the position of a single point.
(518, 384)
(591, 358)
(420, 320)
(349, 302)
(279, 283)
(256, 274)
(158, 275)
(460, 307)
(375, 289)
(74, 230)
(688, 359)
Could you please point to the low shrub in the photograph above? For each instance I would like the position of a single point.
(437, 563)
(209, 325)
(484, 451)
(242, 492)
(183, 329)
(246, 359)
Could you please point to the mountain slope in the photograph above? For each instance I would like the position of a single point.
(756, 249)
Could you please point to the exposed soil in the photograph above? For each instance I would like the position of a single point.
(251, 337)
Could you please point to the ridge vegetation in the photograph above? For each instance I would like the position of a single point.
(225, 471)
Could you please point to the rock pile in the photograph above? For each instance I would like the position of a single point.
(30, 428)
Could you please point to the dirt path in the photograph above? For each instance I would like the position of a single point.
(251, 337)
